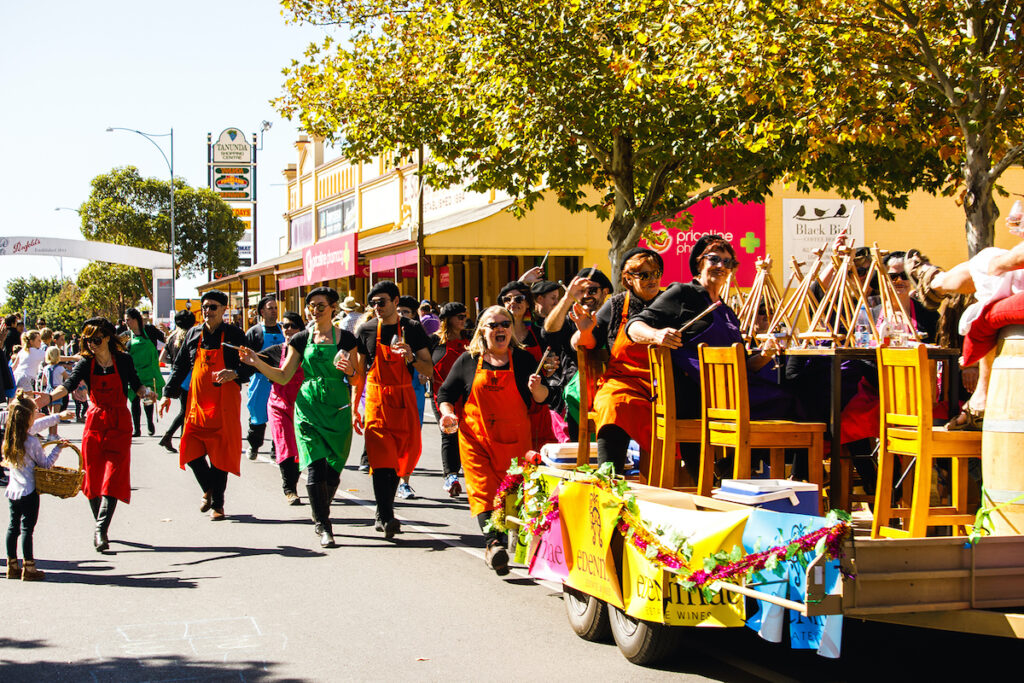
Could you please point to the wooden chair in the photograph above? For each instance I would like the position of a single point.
(666, 431)
(590, 364)
(726, 423)
(905, 410)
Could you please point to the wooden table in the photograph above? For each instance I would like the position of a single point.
(836, 356)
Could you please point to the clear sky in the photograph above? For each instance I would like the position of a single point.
(70, 69)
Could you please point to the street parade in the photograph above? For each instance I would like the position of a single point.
(701, 331)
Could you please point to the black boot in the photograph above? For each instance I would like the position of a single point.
(94, 503)
(106, 514)
(166, 443)
(321, 509)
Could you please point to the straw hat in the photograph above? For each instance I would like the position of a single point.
(350, 304)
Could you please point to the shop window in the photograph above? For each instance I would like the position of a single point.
(337, 218)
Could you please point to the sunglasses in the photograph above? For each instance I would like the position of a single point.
(379, 303)
(210, 307)
(898, 276)
(289, 326)
(716, 260)
(514, 299)
(645, 277)
(93, 340)
(316, 308)
(504, 324)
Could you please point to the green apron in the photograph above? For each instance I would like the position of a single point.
(147, 363)
(323, 414)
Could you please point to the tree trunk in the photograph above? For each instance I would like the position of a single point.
(621, 235)
(623, 232)
(979, 205)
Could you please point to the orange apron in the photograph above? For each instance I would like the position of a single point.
(494, 431)
(624, 390)
(392, 430)
(213, 425)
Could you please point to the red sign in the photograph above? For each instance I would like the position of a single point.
(444, 277)
(743, 225)
(330, 259)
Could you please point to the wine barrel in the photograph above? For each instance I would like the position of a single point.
(1002, 445)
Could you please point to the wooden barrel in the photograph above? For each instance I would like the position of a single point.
(1002, 445)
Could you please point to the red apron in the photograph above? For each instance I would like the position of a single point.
(452, 351)
(213, 425)
(624, 390)
(493, 432)
(392, 430)
(541, 427)
(107, 439)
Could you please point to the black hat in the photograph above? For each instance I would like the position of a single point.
(516, 286)
(264, 301)
(646, 252)
(542, 287)
(452, 308)
(409, 302)
(595, 275)
(215, 295)
(184, 319)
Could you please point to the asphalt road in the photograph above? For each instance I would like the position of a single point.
(254, 598)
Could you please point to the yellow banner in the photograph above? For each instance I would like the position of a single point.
(643, 586)
(716, 531)
(588, 516)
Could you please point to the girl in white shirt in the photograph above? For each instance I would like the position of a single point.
(22, 454)
(29, 360)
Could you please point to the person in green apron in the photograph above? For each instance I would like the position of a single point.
(142, 347)
(323, 416)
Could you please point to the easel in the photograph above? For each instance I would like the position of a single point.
(763, 293)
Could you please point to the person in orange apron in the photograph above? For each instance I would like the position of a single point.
(496, 381)
(448, 344)
(623, 399)
(387, 347)
(109, 373)
(211, 442)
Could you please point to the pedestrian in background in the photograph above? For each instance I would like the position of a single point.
(261, 336)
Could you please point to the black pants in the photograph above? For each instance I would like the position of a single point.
(80, 408)
(289, 475)
(451, 458)
(179, 419)
(212, 480)
(256, 435)
(24, 513)
(137, 413)
(612, 443)
(385, 486)
(489, 536)
(319, 471)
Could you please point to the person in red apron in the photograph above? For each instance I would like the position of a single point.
(496, 382)
(211, 442)
(623, 399)
(109, 373)
(448, 345)
(517, 298)
(387, 347)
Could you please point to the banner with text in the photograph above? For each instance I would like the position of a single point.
(808, 224)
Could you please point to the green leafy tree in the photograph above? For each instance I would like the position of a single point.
(945, 75)
(64, 310)
(30, 294)
(109, 289)
(125, 208)
(633, 110)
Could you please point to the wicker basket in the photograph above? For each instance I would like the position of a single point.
(63, 482)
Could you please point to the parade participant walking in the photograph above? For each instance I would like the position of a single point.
(623, 400)
(448, 344)
(388, 348)
(407, 309)
(281, 412)
(110, 376)
(141, 346)
(22, 453)
(323, 415)
(211, 442)
(183, 322)
(261, 336)
(496, 382)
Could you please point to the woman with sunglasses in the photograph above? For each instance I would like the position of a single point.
(623, 398)
(142, 347)
(323, 414)
(495, 381)
(211, 441)
(448, 344)
(281, 411)
(712, 261)
(109, 373)
(517, 299)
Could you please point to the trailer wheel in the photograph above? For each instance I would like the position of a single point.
(641, 642)
(588, 616)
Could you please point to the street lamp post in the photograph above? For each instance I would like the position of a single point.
(60, 259)
(170, 167)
